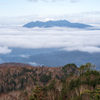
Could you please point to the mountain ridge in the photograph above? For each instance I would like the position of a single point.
(57, 23)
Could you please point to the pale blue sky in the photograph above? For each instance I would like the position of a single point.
(59, 7)
(23, 11)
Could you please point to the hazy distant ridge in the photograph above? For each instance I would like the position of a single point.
(58, 23)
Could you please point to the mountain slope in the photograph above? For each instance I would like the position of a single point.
(24, 82)
(16, 76)
(58, 23)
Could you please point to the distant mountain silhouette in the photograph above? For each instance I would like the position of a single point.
(58, 23)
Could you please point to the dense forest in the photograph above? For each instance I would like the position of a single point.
(69, 82)
(85, 86)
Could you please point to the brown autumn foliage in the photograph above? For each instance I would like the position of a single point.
(17, 80)
(25, 82)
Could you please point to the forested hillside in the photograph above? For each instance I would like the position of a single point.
(25, 82)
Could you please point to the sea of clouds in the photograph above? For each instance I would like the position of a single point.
(68, 39)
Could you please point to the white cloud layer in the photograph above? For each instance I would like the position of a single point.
(63, 38)
(25, 56)
(84, 17)
(4, 50)
(34, 64)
